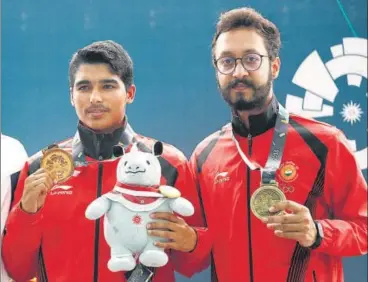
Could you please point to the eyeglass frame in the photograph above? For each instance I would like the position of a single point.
(241, 62)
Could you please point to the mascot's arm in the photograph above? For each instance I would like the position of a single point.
(182, 206)
(98, 208)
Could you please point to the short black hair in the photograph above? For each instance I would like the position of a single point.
(249, 18)
(105, 52)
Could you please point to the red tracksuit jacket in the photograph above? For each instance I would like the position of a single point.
(317, 170)
(59, 244)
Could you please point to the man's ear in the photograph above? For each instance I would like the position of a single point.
(71, 96)
(130, 94)
(275, 67)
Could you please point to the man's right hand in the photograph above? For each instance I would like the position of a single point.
(36, 187)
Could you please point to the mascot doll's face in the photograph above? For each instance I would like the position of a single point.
(140, 168)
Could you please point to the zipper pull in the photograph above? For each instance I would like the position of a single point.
(250, 141)
(98, 144)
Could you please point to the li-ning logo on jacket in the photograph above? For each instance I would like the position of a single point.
(61, 190)
(221, 177)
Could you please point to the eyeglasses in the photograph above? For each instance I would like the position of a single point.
(250, 62)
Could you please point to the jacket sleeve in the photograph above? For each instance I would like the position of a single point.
(21, 243)
(189, 263)
(346, 194)
(10, 177)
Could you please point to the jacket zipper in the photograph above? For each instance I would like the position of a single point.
(43, 272)
(250, 255)
(314, 276)
(97, 226)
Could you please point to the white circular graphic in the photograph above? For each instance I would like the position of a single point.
(318, 80)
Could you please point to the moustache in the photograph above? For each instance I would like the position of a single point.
(97, 108)
(236, 82)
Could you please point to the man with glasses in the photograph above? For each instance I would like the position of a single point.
(282, 194)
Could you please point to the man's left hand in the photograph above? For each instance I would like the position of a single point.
(181, 236)
(297, 225)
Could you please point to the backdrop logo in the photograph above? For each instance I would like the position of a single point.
(320, 99)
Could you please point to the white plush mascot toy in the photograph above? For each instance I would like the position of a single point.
(127, 208)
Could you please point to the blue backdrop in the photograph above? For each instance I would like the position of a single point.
(177, 99)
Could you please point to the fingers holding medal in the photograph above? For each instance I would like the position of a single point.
(264, 198)
(56, 167)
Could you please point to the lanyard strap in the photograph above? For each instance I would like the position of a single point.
(277, 148)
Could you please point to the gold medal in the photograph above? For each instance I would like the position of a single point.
(265, 197)
(58, 163)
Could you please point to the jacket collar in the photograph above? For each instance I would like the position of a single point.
(258, 123)
(97, 145)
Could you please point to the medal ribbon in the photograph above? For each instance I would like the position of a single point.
(277, 148)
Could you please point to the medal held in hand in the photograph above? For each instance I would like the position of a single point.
(269, 193)
(58, 163)
(264, 197)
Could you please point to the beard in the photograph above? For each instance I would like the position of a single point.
(240, 101)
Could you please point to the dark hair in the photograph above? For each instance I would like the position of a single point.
(249, 18)
(106, 52)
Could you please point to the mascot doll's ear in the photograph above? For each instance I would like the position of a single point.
(118, 151)
(157, 148)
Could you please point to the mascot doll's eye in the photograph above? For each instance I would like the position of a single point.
(148, 162)
(125, 163)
